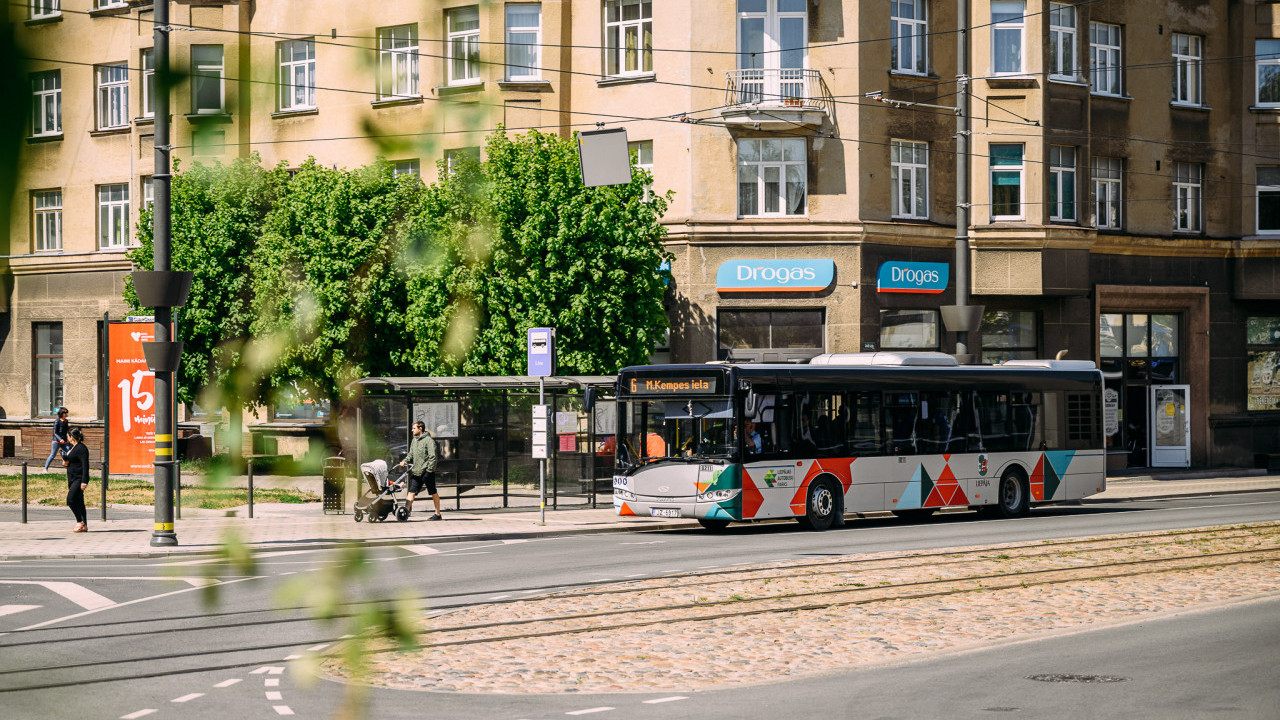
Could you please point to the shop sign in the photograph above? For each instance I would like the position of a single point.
(132, 402)
(913, 277)
(775, 275)
(1264, 380)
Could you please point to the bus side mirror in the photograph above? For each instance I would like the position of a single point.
(588, 399)
(750, 407)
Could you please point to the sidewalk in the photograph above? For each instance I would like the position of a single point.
(277, 527)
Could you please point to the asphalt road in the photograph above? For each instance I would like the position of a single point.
(116, 638)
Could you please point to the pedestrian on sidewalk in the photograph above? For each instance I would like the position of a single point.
(422, 466)
(77, 462)
(60, 429)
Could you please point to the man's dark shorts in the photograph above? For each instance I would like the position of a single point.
(425, 480)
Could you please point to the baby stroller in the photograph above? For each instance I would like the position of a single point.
(382, 496)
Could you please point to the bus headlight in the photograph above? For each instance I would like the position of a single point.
(718, 495)
(624, 494)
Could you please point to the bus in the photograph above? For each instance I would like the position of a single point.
(905, 432)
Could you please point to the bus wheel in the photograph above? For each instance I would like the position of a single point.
(713, 524)
(820, 508)
(1014, 498)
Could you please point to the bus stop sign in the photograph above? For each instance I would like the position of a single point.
(542, 352)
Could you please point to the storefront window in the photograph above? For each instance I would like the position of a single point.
(770, 330)
(1008, 335)
(1263, 373)
(909, 329)
(294, 404)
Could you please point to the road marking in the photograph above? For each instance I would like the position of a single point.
(227, 683)
(276, 670)
(273, 695)
(588, 711)
(419, 549)
(256, 556)
(485, 552)
(651, 542)
(13, 609)
(317, 648)
(78, 594)
(282, 710)
(186, 698)
(273, 669)
(272, 682)
(292, 657)
(140, 713)
(673, 698)
(636, 575)
(131, 602)
(499, 597)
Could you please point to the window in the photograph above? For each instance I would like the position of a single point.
(1062, 42)
(1008, 335)
(463, 61)
(46, 219)
(45, 9)
(398, 61)
(1062, 183)
(1106, 175)
(113, 215)
(909, 178)
(1187, 58)
(908, 29)
(771, 177)
(909, 329)
(1187, 178)
(47, 358)
(1268, 189)
(642, 151)
(104, 4)
(769, 330)
(46, 103)
(297, 74)
(207, 87)
(113, 96)
(1263, 373)
(148, 83)
(1104, 58)
(1007, 25)
(148, 191)
(1267, 68)
(1006, 181)
(772, 52)
(453, 157)
(628, 33)
(524, 39)
(406, 167)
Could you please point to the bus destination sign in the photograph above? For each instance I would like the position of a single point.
(672, 385)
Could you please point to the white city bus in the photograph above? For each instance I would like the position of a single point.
(862, 432)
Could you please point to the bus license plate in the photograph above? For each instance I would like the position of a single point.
(665, 512)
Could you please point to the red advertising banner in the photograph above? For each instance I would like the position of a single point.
(131, 389)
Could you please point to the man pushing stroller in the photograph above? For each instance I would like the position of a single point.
(421, 462)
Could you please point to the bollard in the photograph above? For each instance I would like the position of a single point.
(250, 487)
(104, 489)
(24, 492)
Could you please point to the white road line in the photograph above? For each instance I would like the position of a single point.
(317, 648)
(485, 552)
(256, 556)
(13, 609)
(636, 575)
(276, 671)
(273, 695)
(282, 709)
(292, 657)
(418, 549)
(78, 594)
(266, 669)
(131, 602)
(140, 713)
(186, 698)
(588, 711)
(272, 682)
(673, 698)
(227, 683)
(193, 581)
(499, 597)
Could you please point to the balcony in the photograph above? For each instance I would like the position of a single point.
(776, 99)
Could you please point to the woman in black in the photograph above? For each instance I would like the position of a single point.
(77, 462)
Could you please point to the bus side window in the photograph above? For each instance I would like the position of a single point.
(993, 416)
(973, 434)
(1024, 416)
(864, 429)
(901, 414)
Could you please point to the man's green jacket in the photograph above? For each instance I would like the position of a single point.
(422, 454)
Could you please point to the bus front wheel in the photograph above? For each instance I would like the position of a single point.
(1014, 498)
(820, 506)
(713, 524)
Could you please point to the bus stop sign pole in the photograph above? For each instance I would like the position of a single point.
(541, 354)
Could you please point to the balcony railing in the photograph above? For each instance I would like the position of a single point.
(800, 88)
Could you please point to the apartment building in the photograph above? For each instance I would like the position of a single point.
(1125, 172)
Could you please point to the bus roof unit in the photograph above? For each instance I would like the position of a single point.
(1051, 364)
(899, 359)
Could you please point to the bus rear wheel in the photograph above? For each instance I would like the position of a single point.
(1014, 497)
(713, 524)
(820, 506)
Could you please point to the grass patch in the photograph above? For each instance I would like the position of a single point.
(51, 489)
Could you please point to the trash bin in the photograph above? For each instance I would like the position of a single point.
(335, 484)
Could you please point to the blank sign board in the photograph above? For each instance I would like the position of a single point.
(604, 158)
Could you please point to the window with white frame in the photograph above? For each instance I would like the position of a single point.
(908, 30)
(455, 156)
(148, 83)
(113, 95)
(46, 220)
(1105, 59)
(297, 74)
(524, 42)
(772, 177)
(1266, 61)
(45, 9)
(909, 179)
(113, 215)
(642, 151)
(1187, 183)
(208, 86)
(148, 191)
(772, 51)
(398, 61)
(1007, 27)
(406, 167)
(1007, 171)
(104, 4)
(628, 37)
(1268, 200)
(46, 103)
(1188, 57)
(1062, 183)
(1062, 42)
(1106, 175)
(462, 27)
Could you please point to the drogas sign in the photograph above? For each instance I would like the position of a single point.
(912, 277)
(775, 275)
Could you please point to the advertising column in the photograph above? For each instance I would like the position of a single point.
(132, 406)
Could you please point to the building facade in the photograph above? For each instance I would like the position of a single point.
(1124, 172)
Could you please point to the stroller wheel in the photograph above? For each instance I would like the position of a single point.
(371, 517)
(402, 514)
(358, 515)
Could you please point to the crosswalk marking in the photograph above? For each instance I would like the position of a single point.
(78, 594)
(11, 609)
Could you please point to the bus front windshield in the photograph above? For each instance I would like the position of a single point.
(680, 430)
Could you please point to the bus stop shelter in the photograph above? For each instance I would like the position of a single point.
(484, 429)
